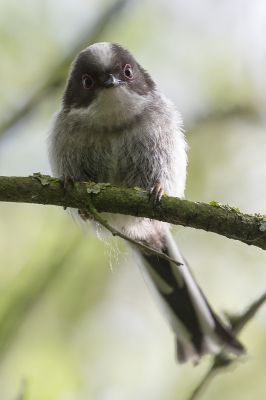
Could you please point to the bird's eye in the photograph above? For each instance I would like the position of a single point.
(127, 71)
(87, 81)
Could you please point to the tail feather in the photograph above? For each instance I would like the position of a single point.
(198, 329)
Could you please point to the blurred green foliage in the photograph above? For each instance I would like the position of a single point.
(76, 320)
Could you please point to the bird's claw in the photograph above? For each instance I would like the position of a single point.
(158, 192)
(64, 179)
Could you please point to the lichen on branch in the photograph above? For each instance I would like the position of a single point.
(214, 217)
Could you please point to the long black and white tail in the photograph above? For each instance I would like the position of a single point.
(198, 330)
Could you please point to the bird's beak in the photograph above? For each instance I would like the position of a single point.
(111, 82)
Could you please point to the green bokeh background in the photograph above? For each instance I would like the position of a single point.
(76, 319)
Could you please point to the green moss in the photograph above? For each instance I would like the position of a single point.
(235, 209)
(215, 203)
(140, 192)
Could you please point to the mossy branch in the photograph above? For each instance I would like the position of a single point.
(214, 217)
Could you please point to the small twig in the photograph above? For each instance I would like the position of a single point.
(23, 391)
(98, 218)
(219, 362)
(238, 322)
(222, 361)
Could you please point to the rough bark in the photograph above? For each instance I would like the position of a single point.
(214, 217)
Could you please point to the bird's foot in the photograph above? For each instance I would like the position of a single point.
(158, 192)
(64, 179)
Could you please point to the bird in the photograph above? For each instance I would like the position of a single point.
(115, 125)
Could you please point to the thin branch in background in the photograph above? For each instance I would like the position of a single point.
(59, 73)
(222, 361)
(98, 218)
(237, 322)
(23, 390)
(25, 290)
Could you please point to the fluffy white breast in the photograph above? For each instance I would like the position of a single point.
(114, 107)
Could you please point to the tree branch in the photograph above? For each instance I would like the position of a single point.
(214, 217)
(222, 361)
(98, 218)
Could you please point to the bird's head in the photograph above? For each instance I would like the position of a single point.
(105, 81)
